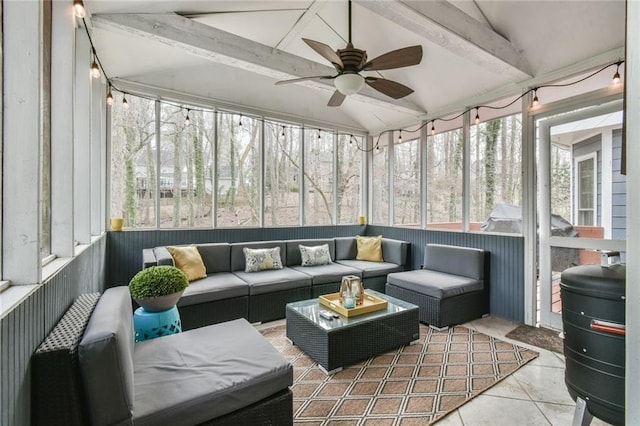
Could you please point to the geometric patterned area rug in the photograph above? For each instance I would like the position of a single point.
(415, 384)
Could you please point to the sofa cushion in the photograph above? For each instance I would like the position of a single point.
(294, 257)
(188, 260)
(274, 280)
(465, 261)
(325, 274)
(346, 248)
(105, 356)
(220, 286)
(315, 255)
(372, 269)
(256, 260)
(195, 376)
(237, 253)
(369, 248)
(439, 285)
(216, 257)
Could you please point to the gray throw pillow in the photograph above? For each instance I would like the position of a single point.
(262, 259)
(315, 256)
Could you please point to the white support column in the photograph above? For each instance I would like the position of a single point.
(336, 174)
(96, 158)
(369, 141)
(391, 165)
(62, 88)
(303, 184)
(105, 121)
(632, 65)
(606, 185)
(82, 141)
(22, 24)
(466, 170)
(529, 208)
(365, 171)
(424, 183)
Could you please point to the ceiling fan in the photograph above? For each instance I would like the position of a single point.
(349, 62)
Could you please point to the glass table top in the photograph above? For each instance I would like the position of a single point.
(311, 309)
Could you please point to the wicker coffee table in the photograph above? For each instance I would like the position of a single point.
(342, 341)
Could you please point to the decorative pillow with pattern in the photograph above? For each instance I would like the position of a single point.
(262, 259)
(315, 256)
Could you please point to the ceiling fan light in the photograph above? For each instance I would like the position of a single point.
(348, 84)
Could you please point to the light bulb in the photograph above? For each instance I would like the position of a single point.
(477, 116)
(240, 121)
(109, 97)
(187, 121)
(433, 128)
(377, 149)
(125, 103)
(350, 139)
(95, 71)
(616, 76)
(78, 8)
(282, 135)
(400, 137)
(535, 101)
(319, 134)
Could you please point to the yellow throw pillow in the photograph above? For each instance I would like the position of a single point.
(369, 248)
(188, 260)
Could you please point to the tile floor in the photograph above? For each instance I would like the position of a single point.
(534, 395)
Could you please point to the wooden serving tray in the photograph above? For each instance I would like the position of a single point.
(369, 304)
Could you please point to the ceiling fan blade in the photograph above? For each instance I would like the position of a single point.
(389, 87)
(295, 80)
(395, 59)
(337, 99)
(326, 52)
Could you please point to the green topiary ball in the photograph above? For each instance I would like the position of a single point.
(157, 281)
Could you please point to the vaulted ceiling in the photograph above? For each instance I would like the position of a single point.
(233, 52)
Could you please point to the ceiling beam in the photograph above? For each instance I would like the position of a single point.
(229, 49)
(302, 23)
(449, 27)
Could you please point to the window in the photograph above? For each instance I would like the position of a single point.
(318, 176)
(238, 171)
(496, 153)
(282, 174)
(349, 170)
(444, 180)
(133, 161)
(586, 190)
(186, 167)
(406, 183)
(380, 185)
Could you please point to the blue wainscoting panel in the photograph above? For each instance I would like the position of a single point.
(25, 327)
(506, 269)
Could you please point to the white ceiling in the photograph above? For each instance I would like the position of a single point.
(474, 51)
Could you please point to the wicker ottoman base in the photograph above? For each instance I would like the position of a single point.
(340, 342)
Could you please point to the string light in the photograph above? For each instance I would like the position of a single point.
(350, 139)
(377, 149)
(109, 97)
(282, 135)
(187, 121)
(78, 9)
(240, 121)
(535, 98)
(400, 136)
(95, 71)
(319, 134)
(125, 103)
(477, 115)
(616, 76)
(433, 127)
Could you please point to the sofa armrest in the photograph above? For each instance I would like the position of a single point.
(395, 251)
(163, 257)
(148, 258)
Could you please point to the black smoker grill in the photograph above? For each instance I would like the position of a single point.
(593, 318)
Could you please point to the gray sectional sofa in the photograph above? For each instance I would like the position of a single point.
(89, 371)
(228, 292)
